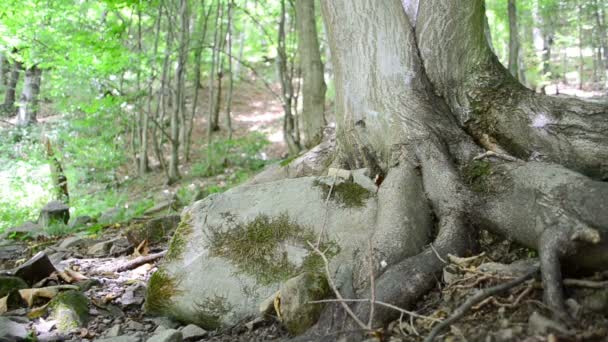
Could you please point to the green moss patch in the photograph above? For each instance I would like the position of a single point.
(254, 247)
(348, 194)
(179, 239)
(160, 291)
(70, 309)
(475, 175)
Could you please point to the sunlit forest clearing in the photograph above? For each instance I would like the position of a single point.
(239, 170)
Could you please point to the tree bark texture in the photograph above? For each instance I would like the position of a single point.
(11, 87)
(313, 89)
(28, 103)
(405, 110)
(513, 40)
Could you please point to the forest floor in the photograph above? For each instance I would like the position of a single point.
(102, 266)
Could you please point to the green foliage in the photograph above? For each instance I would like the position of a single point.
(241, 153)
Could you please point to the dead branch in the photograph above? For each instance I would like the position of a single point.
(335, 289)
(139, 261)
(586, 283)
(377, 302)
(476, 298)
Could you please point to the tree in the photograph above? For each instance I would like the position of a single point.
(514, 52)
(313, 88)
(405, 109)
(28, 103)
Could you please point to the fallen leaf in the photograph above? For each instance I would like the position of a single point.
(142, 249)
(29, 295)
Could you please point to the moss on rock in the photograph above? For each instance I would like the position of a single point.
(9, 284)
(179, 239)
(476, 174)
(70, 309)
(159, 293)
(348, 194)
(255, 247)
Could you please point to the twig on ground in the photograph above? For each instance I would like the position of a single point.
(592, 284)
(372, 285)
(497, 155)
(476, 298)
(331, 188)
(335, 289)
(377, 302)
(139, 261)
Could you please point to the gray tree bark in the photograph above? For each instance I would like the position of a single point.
(11, 87)
(179, 111)
(514, 45)
(313, 89)
(28, 103)
(405, 110)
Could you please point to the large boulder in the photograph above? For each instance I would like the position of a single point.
(232, 251)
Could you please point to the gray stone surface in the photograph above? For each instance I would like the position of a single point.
(11, 330)
(169, 335)
(193, 332)
(54, 212)
(35, 269)
(208, 278)
(27, 228)
(123, 338)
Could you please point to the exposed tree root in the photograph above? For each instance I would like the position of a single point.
(475, 299)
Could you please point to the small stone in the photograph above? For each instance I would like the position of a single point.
(541, 325)
(74, 242)
(35, 269)
(574, 308)
(134, 295)
(505, 335)
(193, 332)
(123, 338)
(29, 228)
(102, 248)
(133, 325)
(11, 330)
(114, 331)
(54, 212)
(169, 335)
(9, 284)
(164, 322)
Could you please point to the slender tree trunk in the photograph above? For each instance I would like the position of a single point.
(313, 106)
(143, 161)
(153, 76)
(289, 133)
(581, 60)
(28, 103)
(177, 114)
(231, 79)
(217, 102)
(11, 89)
(214, 54)
(514, 45)
(198, 53)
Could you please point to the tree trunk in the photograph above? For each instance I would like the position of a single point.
(11, 88)
(514, 45)
(390, 121)
(289, 133)
(313, 91)
(581, 61)
(178, 112)
(28, 103)
(231, 79)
